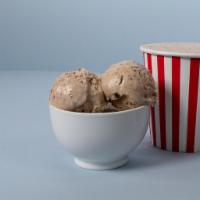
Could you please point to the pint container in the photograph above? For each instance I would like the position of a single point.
(175, 119)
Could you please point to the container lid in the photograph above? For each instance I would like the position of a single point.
(182, 49)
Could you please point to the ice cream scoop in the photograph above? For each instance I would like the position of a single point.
(78, 91)
(128, 85)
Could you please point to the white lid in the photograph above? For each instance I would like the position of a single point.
(183, 49)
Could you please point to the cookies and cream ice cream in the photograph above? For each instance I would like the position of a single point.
(128, 85)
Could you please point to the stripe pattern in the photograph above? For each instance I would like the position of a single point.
(175, 119)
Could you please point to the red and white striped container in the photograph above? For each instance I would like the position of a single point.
(175, 119)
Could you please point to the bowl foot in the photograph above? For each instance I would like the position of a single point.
(97, 166)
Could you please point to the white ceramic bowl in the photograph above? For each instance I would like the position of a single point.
(100, 140)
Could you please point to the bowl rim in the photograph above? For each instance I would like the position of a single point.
(100, 113)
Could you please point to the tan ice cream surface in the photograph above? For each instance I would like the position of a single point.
(128, 85)
(78, 91)
(184, 49)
